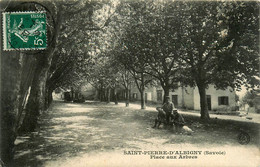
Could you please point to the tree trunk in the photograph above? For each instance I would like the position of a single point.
(100, 94)
(204, 114)
(108, 95)
(10, 86)
(35, 101)
(72, 94)
(142, 87)
(46, 101)
(105, 95)
(126, 97)
(48, 97)
(115, 93)
(166, 90)
(28, 69)
(130, 97)
(96, 96)
(143, 106)
(36, 97)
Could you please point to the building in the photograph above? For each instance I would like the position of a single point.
(89, 92)
(189, 98)
(183, 97)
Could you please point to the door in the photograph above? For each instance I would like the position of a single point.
(159, 95)
(145, 97)
(209, 102)
(175, 100)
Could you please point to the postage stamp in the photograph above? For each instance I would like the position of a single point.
(24, 30)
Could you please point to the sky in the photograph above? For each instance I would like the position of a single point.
(242, 92)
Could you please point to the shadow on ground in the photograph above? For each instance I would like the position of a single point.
(69, 130)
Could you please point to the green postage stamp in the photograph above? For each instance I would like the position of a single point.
(24, 30)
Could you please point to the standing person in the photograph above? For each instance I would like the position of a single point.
(168, 106)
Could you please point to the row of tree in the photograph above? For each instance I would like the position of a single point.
(28, 78)
(187, 43)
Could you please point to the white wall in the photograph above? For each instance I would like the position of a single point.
(149, 96)
(177, 92)
(214, 98)
(188, 98)
(57, 96)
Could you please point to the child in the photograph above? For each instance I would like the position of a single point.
(178, 120)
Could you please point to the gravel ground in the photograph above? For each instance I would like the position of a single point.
(99, 134)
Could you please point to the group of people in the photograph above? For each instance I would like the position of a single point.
(168, 115)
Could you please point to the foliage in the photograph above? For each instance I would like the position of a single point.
(209, 42)
(250, 98)
(214, 44)
(76, 41)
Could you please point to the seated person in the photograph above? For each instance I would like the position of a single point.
(167, 107)
(177, 120)
(161, 117)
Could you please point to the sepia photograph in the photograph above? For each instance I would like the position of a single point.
(134, 83)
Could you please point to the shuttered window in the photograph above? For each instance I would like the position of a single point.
(223, 100)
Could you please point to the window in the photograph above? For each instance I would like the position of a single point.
(223, 100)
(159, 95)
(209, 102)
(134, 95)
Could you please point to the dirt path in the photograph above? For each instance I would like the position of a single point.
(94, 134)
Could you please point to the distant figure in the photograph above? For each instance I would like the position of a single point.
(168, 107)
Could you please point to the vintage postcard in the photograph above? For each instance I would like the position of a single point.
(140, 83)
